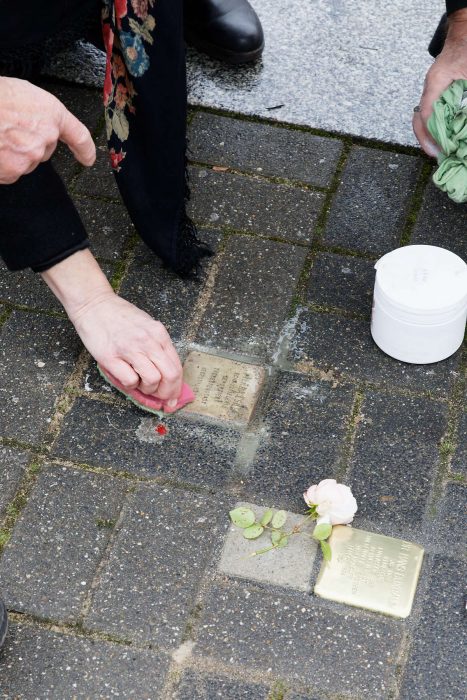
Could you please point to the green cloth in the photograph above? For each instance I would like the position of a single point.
(448, 127)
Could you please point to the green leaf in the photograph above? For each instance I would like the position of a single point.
(322, 531)
(283, 542)
(326, 549)
(267, 517)
(252, 532)
(276, 537)
(279, 519)
(242, 517)
(120, 124)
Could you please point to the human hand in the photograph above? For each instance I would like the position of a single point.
(450, 65)
(32, 121)
(126, 342)
(130, 345)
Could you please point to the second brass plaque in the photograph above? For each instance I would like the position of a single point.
(370, 571)
(224, 389)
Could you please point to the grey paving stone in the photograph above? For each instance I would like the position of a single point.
(13, 463)
(66, 164)
(98, 180)
(249, 204)
(441, 222)
(37, 355)
(449, 526)
(161, 293)
(87, 106)
(38, 663)
(435, 669)
(397, 444)
(107, 224)
(148, 588)
(459, 462)
(263, 149)
(49, 563)
(28, 289)
(300, 641)
(304, 427)
(371, 204)
(253, 291)
(344, 347)
(343, 282)
(290, 567)
(294, 696)
(193, 686)
(84, 103)
(126, 439)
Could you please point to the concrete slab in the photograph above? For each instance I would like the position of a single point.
(342, 654)
(149, 585)
(435, 667)
(243, 314)
(397, 441)
(124, 438)
(37, 355)
(194, 686)
(344, 347)
(301, 441)
(49, 564)
(351, 67)
(289, 566)
(39, 663)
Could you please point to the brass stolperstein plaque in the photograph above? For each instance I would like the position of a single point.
(224, 389)
(370, 571)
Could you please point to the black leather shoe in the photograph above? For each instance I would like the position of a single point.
(225, 29)
(3, 623)
(439, 37)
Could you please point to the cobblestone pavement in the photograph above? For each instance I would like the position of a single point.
(111, 536)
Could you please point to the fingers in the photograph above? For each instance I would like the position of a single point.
(123, 373)
(423, 136)
(170, 386)
(158, 374)
(77, 138)
(149, 375)
(436, 82)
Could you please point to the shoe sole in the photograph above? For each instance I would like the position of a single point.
(218, 52)
(3, 625)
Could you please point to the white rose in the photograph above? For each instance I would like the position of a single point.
(334, 502)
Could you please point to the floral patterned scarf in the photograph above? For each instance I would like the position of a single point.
(145, 117)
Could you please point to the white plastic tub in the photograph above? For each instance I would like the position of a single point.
(419, 304)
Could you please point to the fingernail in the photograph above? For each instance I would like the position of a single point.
(431, 149)
(172, 403)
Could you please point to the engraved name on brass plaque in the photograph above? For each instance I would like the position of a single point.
(224, 389)
(370, 571)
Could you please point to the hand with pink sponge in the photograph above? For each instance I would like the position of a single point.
(147, 402)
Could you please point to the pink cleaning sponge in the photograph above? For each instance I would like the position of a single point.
(147, 402)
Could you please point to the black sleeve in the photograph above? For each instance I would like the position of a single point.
(39, 224)
(453, 5)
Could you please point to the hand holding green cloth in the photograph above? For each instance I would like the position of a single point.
(448, 127)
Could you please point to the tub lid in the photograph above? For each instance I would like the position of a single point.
(423, 277)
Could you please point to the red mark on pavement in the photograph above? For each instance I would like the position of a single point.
(161, 429)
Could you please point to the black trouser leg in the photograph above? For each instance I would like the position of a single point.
(39, 224)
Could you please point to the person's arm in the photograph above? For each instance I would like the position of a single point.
(450, 65)
(126, 341)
